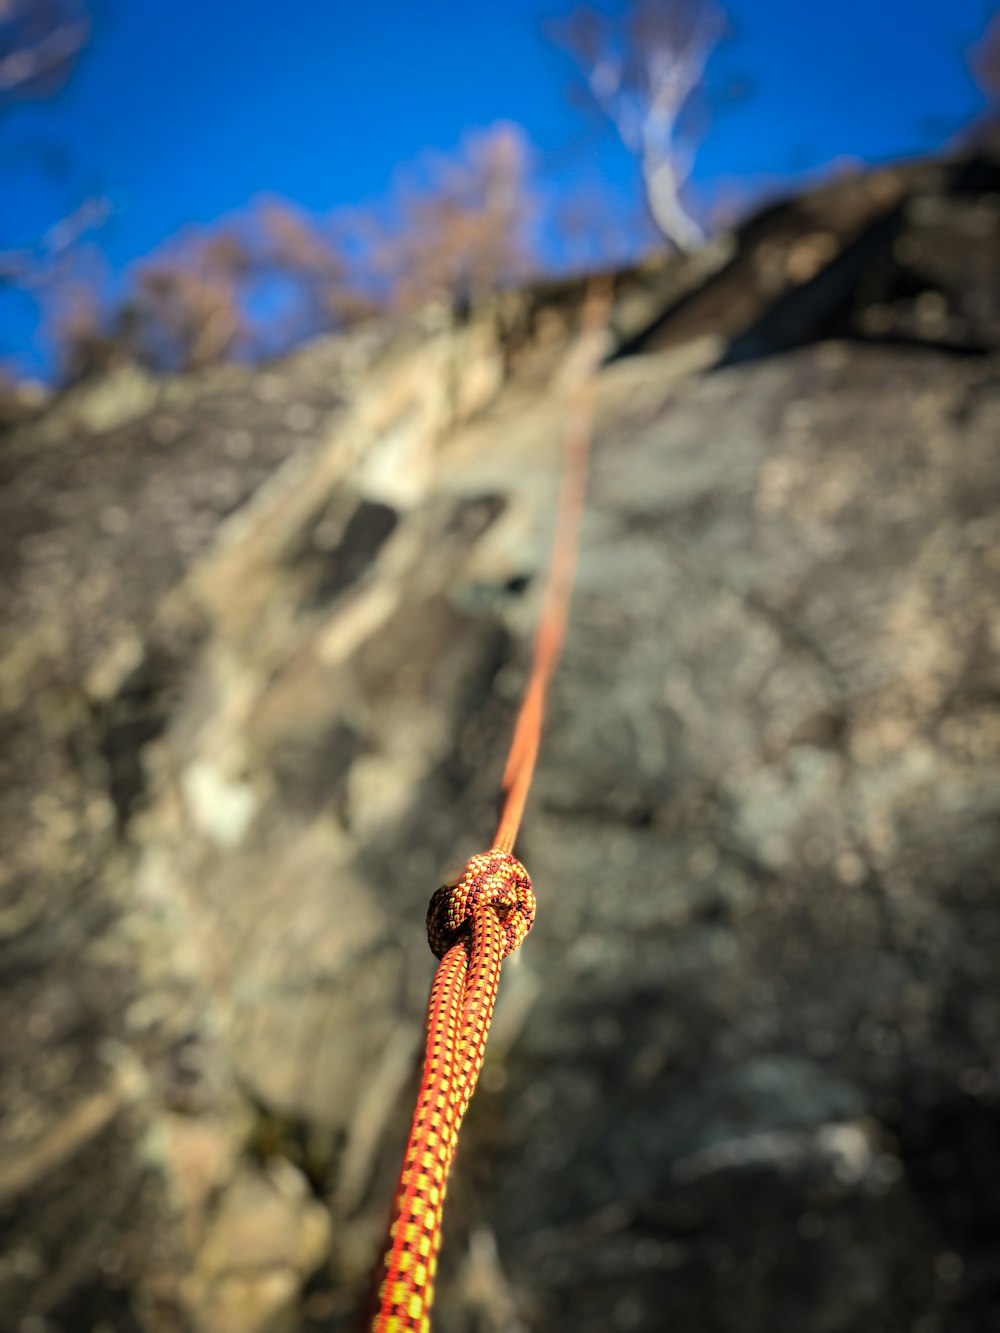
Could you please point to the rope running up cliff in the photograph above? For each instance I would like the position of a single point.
(472, 925)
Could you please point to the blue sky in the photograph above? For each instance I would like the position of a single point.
(183, 111)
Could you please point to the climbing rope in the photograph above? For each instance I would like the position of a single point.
(473, 924)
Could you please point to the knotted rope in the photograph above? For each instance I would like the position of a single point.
(473, 924)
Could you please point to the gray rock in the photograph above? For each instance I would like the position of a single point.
(263, 642)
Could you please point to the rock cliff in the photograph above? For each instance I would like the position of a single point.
(263, 636)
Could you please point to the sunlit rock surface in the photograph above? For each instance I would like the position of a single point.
(263, 637)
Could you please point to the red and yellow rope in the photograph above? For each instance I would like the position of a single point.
(474, 924)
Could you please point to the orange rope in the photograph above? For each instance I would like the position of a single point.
(555, 607)
(473, 924)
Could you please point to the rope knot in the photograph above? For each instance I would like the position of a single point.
(491, 879)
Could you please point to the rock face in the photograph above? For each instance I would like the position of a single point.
(262, 643)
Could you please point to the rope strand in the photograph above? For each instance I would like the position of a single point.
(473, 924)
(551, 632)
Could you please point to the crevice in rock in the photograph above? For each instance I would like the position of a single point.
(126, 723)
(334, 571)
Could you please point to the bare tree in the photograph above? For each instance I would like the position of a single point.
(460, 228)
(33, 266)
(984, 61)
(40, 41)
(270, 276)
(250, 286)
(642, 69)
(184, 311)
(305, 256)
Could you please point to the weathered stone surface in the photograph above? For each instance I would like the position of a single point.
(265, 1238)
(747, 1025)
(264, 636)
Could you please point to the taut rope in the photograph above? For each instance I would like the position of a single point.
(474, 924)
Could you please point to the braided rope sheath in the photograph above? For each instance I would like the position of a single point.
(472, 926)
